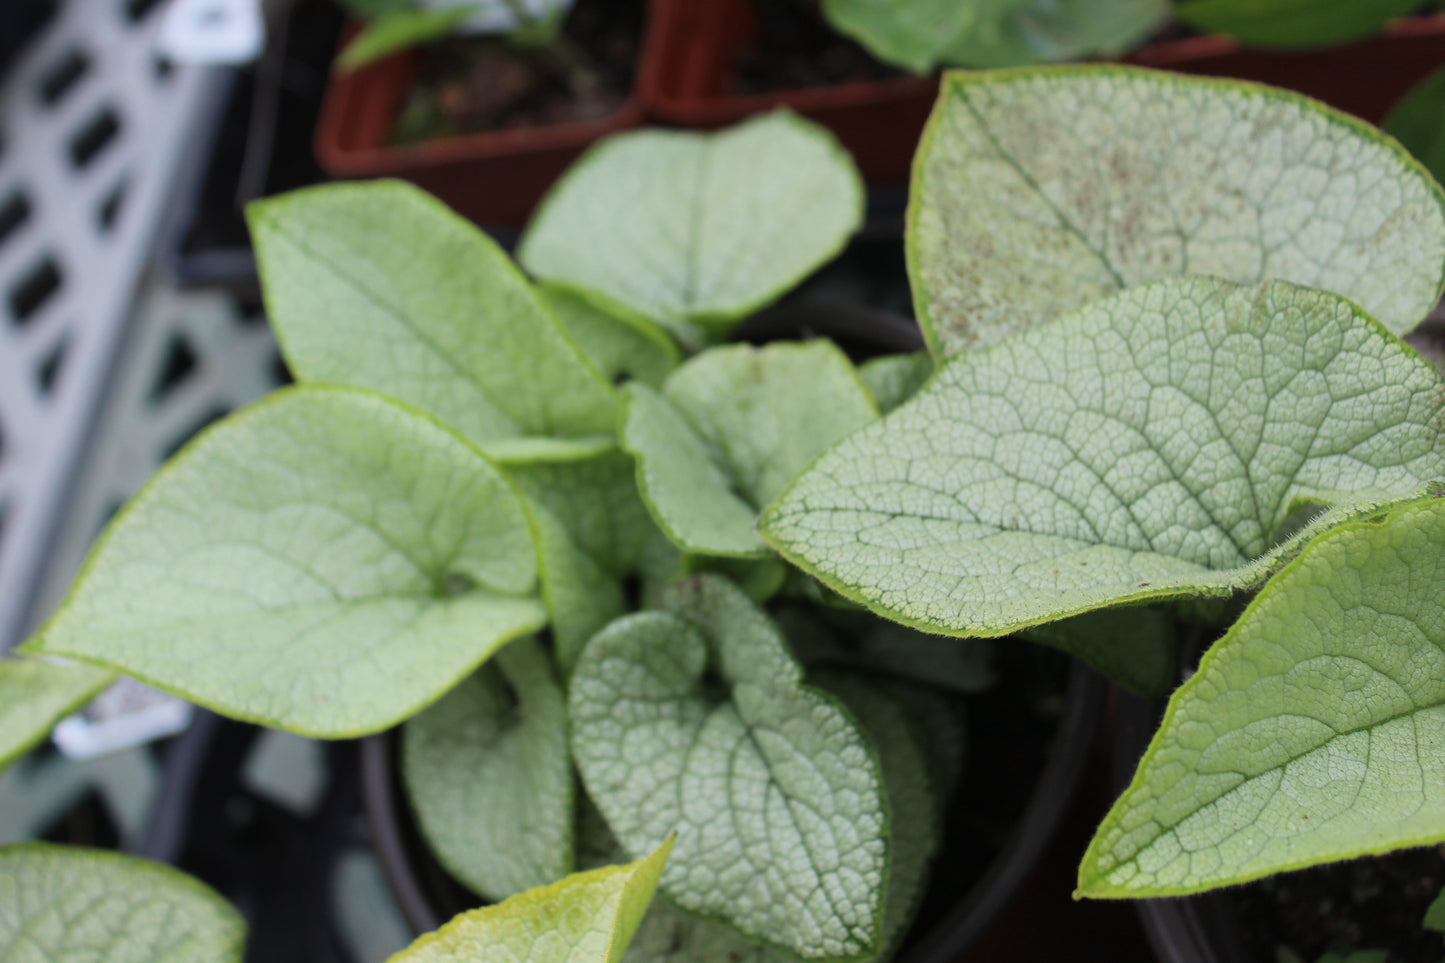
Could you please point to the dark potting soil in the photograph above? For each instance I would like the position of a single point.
(472, 85)
(796, 48)
(1365, 904)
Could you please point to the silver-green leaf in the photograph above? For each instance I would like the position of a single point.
(593, 534)
(586, 918)
(489, 775)
(1312, 732)
(378, 285)
(731, 429)
(326, 561)
(65, 903)
(777, 798)
(693, 228)
(35, 695)
(621, 346)
(1038, 191)
(1160, 444)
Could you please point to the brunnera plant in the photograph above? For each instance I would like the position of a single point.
(452, 519)
(1166, 317)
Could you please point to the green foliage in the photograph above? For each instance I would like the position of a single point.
(1418, 122)
(919, 35)
(730, 429)
(397, 30)
(1149, 447)
(1133, 444)
(1309, 732)
(586, 918)
(1293, 24)
(1038, 191)
(35, 695)
(64, 903)
(489, 776)
(695, 229)
(288, 565)
(696, 719)
(379, 286)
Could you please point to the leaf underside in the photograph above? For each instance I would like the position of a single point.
(1311, 732)
(1148, 447)
(1038, 191)
(291, 564)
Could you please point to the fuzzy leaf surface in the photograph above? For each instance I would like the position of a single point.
(776, 796)
(1152, 446)
(702, 228)
(586, 918)
(67, 903)
(1293, 24)
(326, 561)
(732, 427)
(489, 775)
(1038, 191)
(1310, 733)
(35, 695)
(378, 285)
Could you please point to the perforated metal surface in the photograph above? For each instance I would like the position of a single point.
(96, 136)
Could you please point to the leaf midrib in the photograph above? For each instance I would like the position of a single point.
(1169, 828)
(401, 317)
(1033, 185)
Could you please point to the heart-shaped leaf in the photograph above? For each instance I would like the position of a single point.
(378, 285)
(35, 695)
(692, 228)
(778, 801)
(66, 903)
(1156, 445)
(732, 427)
(489, 775)
(586, 918)
(1038, 191)
(1311, 732)
(326, 561)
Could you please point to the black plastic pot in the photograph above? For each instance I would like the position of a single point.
(273, 864)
